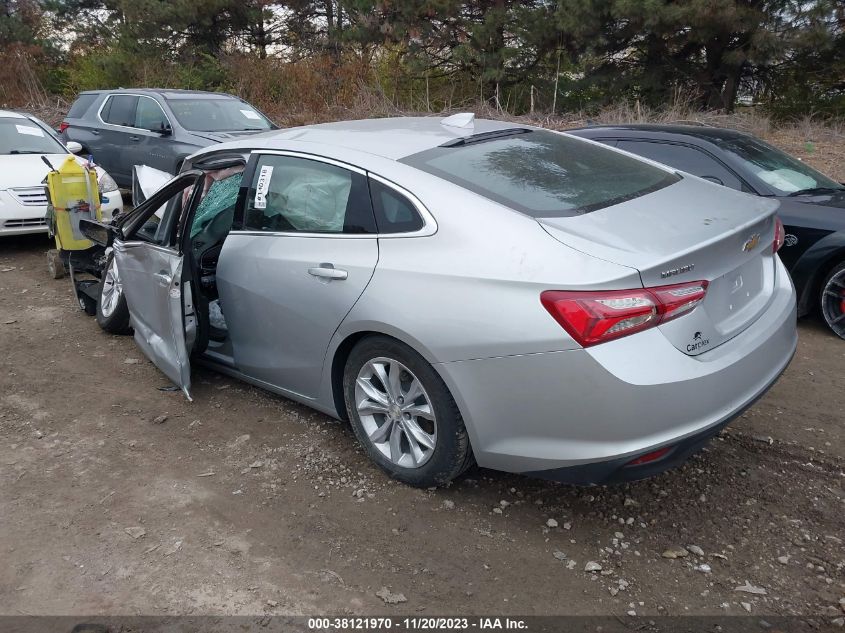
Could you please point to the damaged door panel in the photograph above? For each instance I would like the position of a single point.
(152, 273)
(152, 278)
(253, 274)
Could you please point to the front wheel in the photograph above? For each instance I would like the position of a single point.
(112, 311)
(403, 414)
(833, 300)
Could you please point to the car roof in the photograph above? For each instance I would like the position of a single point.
(391, 138)
(167, 93)
(699, 132)
(10, 114)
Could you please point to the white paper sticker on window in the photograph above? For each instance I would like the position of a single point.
(29, 130)
(250, 114)
(263, 186)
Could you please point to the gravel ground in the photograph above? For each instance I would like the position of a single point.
(117, 497)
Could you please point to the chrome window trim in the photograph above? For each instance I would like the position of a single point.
(429, 226)
(307, 156)
(129, 127)
(429, 223)
(334, 236)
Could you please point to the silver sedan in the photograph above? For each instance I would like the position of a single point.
(463, 291)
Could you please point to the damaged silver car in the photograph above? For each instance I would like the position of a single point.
(463, 291)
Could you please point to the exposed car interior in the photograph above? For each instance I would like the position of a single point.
(211, 222)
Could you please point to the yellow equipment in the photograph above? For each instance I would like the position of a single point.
(74, 195)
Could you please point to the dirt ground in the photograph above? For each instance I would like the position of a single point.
(242, 502)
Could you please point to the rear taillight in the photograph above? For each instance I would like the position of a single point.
(780, 235)
(63, 126)
(597, 316)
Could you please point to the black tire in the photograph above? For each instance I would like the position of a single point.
(452, 453)
(832, 300)
(117, 322)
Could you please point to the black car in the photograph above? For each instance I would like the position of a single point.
(812, 205)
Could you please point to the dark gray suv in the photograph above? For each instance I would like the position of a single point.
(159, 128)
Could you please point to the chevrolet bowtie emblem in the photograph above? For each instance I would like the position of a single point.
(751, 243)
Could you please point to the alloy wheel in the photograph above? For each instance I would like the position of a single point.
(112, 290)
(396, 412)
(833, 303)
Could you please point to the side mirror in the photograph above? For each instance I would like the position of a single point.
(99, 233)
(718, 181)
(73, 147)
(164, 130)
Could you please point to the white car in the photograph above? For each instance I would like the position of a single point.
(23, 197)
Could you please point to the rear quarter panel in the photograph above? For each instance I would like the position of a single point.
(81, 129)
(472, 290)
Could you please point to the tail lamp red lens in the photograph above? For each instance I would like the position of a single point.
(780, 235)
(595, 317)
(63, 126)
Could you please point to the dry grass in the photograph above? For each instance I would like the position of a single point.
(822, 146)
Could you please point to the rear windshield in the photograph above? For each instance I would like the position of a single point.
(22, 136)
(217, 115)
(80, 106)
(543, 174)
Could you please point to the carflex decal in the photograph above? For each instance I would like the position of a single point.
(698, 341)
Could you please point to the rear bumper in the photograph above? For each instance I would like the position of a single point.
(592, 411)
(620, 470)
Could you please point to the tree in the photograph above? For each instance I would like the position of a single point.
(648, 48)
(20, 22)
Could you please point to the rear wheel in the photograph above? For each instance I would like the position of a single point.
(403, 414)
(112, 311)
(832, 300)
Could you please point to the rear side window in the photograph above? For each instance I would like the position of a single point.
(299, 195)
(120, 110)
(149, 115)
(543, 174)
(685, 158)
(394, 212)
(80, 106)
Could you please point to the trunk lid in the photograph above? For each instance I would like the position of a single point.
(692, 230)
